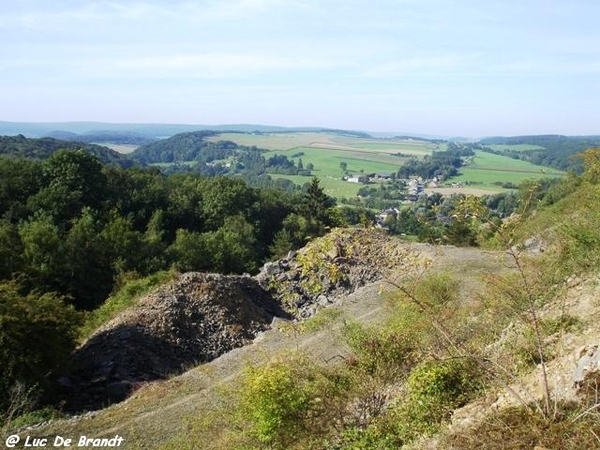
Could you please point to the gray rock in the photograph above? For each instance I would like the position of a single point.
(271, 268)
(589, 362)
(123, 335)
(323, 300)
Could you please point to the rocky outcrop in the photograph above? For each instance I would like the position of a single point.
(333, 266)
(194, 319)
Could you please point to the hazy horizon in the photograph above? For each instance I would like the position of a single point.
(433, 67)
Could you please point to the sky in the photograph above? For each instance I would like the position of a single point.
(440, 67)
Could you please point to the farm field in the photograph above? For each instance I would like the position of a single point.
(486, 169)
(121, 148)
(405, 146)
(327, 161)
(289, 141)
(327, 150)
(333, 187)
(515, 147)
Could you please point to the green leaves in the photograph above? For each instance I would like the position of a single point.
(36, 332)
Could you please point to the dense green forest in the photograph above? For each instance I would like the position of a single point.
(557, 151)
(191, 152)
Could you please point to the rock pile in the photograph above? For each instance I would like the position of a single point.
(194, 319)
(334, 266)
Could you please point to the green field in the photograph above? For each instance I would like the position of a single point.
(487, 168)
(333, 187)
(121, 148)
(332, 141)
(327, 161)
(327, 150)
(514, 147)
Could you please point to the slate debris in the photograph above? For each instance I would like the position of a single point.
(191, 320)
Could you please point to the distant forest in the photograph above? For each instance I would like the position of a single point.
(113, 137)
(42, 148)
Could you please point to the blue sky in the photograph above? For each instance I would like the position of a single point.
(441, 67)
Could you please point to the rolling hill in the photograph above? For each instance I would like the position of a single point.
(42, 148)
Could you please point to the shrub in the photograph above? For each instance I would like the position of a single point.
(290, 399)
(435, 390)
(37, 331)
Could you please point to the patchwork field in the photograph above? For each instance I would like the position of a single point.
(486, 169)
(332, 186)
(326, 151)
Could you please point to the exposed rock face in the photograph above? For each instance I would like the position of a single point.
(193, 319)
(334, 266)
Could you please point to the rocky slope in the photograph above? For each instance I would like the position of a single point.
(194, 319)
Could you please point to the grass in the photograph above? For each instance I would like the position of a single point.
(327, 150)
(333, 187)
(121, 148)
(369, 155)
(488, 168)
(277, 141)
(327, 160)
(515, 147)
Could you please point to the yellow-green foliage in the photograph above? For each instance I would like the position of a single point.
(289, 399)
(435, 389)
(437, 290)
(318, 261)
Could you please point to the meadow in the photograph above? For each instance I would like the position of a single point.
(121, 148)
(487, 169)
(514, 147)
(327, 150)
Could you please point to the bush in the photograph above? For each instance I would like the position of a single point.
(289, 400)
(435, 390)
(37, 331)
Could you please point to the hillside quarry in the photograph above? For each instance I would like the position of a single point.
(184, 353)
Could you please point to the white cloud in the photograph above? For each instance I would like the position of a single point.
(211, 65)
(423, 65)
(50, 16)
